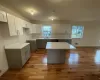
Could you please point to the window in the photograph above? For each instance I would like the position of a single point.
(77, 31)
(46, 31)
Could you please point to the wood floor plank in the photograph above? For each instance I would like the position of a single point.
(81, 64)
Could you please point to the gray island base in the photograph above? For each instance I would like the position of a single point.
(56, 52)
(56, 56)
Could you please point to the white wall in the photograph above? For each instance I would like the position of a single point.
(3, 61)
(91, 35)
(5, 39)
(58, 31)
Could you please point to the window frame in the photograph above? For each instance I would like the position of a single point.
(77, 31)
(50, 31)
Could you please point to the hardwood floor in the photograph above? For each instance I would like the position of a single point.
(81, 64)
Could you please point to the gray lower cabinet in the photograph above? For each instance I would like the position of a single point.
(53, 40)
(65, 40)
(41, 43)
(33, 45)
(17, 57)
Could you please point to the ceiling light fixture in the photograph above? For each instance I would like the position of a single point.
(53, 17)
(32, 11)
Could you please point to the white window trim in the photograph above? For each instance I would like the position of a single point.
(50, 31)
(82, 32)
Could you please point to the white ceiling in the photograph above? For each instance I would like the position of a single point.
(72, 10)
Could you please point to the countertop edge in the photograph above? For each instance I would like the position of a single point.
(12, 46)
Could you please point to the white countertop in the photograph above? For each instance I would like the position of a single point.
(59, 45)
(16, 46)
(31, 40)
(49, 38)
(54, 38)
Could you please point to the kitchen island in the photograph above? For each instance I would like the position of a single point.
(56, 52)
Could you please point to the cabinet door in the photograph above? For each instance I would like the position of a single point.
(28, 25)
(34, 28)
(41, 43)
(23, 55)
(18, 23)
(38, 28)
(3, 16)
(23, 23)
(31, 29)
(27, 52)
(11, 25)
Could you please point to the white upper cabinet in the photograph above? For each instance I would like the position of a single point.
(11, 25)
(34, 28)
(19, 25)
(23, 23)
(31, 28)
(26, 24)
(3, 16)
(38, 28)
(16, 25)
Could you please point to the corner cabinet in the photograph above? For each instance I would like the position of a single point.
(11, 25)
(3, 16)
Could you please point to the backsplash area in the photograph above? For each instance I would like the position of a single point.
(5, 39)
(59, 35)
